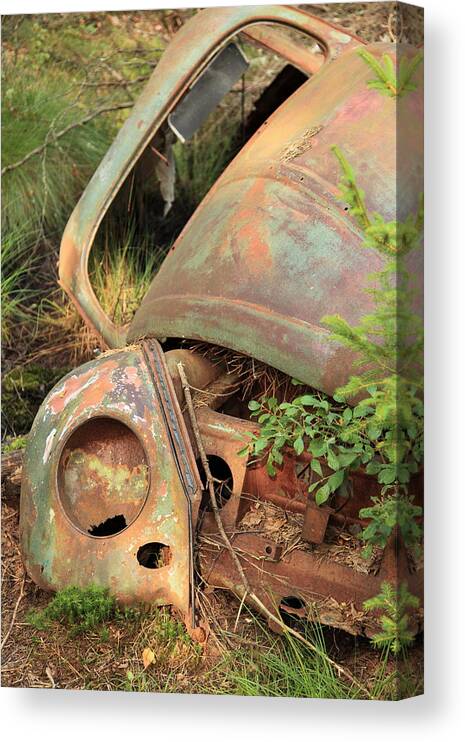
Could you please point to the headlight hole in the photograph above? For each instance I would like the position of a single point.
(103, 477)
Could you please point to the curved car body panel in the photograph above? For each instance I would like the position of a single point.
(271, 249)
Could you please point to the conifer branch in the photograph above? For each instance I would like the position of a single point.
(350, 192)
(387, 81)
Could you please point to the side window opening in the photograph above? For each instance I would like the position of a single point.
(172, 177)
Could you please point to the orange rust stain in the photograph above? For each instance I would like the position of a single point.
(257, 251)
(58, 402)
(94, 394)
(69, 259)
(248, 238)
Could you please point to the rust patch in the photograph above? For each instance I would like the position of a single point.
(103, 475)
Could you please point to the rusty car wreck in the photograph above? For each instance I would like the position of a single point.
(114, 491)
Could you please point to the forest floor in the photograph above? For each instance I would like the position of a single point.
(241, 656)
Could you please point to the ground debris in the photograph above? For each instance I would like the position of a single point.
(285, 529)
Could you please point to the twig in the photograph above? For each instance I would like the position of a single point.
(159, 154)
(15, 611)
(58, 135)
(117, 83)
(247, 591)
(395, 18)
(210, 480)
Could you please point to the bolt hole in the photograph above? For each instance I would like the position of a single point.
(268, 550)
(154, 555)
(109, 527)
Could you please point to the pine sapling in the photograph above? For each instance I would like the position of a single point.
(395, 634)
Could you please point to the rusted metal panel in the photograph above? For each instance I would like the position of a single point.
(271, 249)
(315, 522)
(111, 495)
(110, 486)
(304, 576)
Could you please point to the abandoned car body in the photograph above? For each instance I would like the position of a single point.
(113, 488)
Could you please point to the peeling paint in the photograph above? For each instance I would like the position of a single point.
(48, 445)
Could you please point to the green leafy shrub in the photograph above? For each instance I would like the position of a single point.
(384, 515)
(314, 423)
(80, 609)
(344, 438)
(388, 344)
(395, 634)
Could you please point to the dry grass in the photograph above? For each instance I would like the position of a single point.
(254, 378)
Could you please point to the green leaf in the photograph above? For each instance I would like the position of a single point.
(270, 468)
(347, 414)
(322, 495)
(317, 447)
(335, 480)
(387, 475)
(346, 458)
(373, 467)
(333, 460)
(316, 467)
(308, 400)
(253, 405)
(260, 445)
(298, 445)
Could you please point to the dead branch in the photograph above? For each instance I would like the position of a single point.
(59, 134)
(117, 83)
(12, 465)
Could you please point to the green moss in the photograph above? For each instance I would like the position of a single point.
(80, 609)
(23, 391)
(14, 444)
